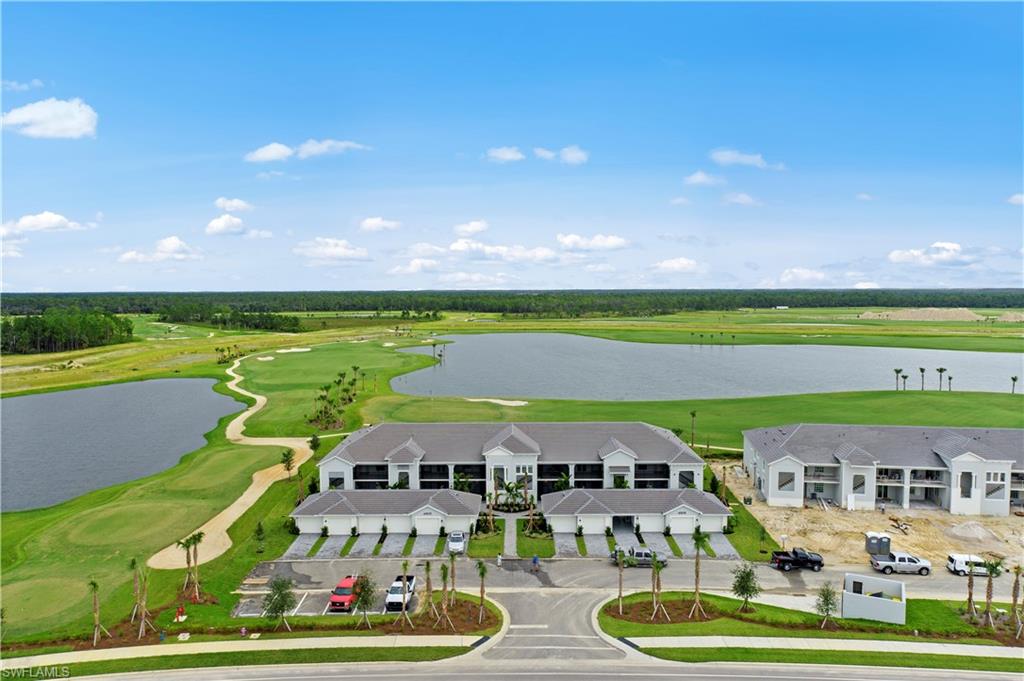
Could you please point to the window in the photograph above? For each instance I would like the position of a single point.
(995, 477)
(858, 484)
(994, 490)
(403, 479)
(787, 481)
(686, 479)
(819, 488)
(858, 587)
(336, 482)
(966, 485)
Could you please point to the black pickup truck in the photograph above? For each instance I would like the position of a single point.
(797, 558)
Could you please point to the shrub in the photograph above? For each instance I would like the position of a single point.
(290, 525)
(443, 532)
(324, 531)
(412, 532)
(579, 530)
(314, 485)
(353, 532)
(667, 531)
(607, 531)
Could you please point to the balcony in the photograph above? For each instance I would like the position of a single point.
(928, 480)
(1017, 482)
(811, 475)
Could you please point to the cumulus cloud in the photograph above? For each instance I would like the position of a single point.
(864, 196)
(865, 285)
(327, 250)
(504, 154)
(423, 250)
(702, 179)
(939, 253)
(546, 154)
(53, 118)
(415, 266)
(474, 279)
(573, 155)
(232, 205)
(740, 199)
(275, 151)
(47, 221)
(15, 86)
(470, 228)
(1016, 199)
(801, 275)
(378, 224)
(732, 157)
(224, 224)
(514, 253)
(680, 264)
(169, 248)
(311, 147)
(259, 234)
(598, 242)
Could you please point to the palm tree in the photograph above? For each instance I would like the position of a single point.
(940, 370)
(620, 561)
(143, 609)
(972, 609)
(460, 482)
(698, 543)
(481, 570)
(949, 383)
(430, 589)
(904, 377)
(656, 567)
(186, 546)
(196, 539)
(404, 616)
(1013, 384)
(693, 425)
(1015, 594)
(288, 461)
(451, 561)
(563, 483)
(921, 369)
(97, 627)
(993, 566)
(898, 372)
(443, 617)
(133, 565)
(491, 500)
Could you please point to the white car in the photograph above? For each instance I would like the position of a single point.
(962, 563)
(457, 542)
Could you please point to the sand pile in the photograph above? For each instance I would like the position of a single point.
(925, 314)
(1011, 317)
(971, 531)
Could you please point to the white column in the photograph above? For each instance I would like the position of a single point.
(906, 488)
(451, 476)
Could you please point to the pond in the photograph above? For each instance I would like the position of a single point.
(56, 446)
(567, 366)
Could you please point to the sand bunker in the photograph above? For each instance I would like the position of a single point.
(363, 340)
(293, 350)
(160, 338)
(1011, 317)
(389, 345)
(265, 359)
(925, 314)
(504, 403)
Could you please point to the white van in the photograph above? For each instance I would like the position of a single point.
(962, 563)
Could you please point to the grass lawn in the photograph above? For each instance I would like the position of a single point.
(611, 544)
(748, 537)
(870, 658)
(581, 546)
(407, 549)
(377, 547)
(349, 543)
(315, 547)
(439, 545)
(527, 546)
(671, 541)
(488, 545)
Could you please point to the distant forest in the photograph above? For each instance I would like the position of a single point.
(571, 303)
(62, 328)
(202, 312)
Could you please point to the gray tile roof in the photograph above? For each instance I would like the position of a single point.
(854, 455)
(573, 442)
(629, 502)
(407, 452)
(613, 445)
(388, 502)
(915, 446)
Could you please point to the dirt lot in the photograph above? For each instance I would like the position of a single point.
(839, 535)
(925, 314)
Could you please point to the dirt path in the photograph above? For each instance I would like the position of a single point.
(217, 541)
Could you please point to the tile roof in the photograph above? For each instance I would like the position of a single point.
(854, 455)
(388, 502)
(407, 452)
(630, 502)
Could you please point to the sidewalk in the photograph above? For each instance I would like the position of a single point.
(233, 646)
(510, 550)
(783, 643)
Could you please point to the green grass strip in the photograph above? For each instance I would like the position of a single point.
(748, 537)
(439, 545)
(671, 541)
(581, 546)
(377, 547)
(611, 544)
(407, 549)
(348, 545)
(854, 657)
(316, 546)
(527, 546)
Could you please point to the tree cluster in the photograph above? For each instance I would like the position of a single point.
(62, 328)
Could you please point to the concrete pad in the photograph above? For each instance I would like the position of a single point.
(625, 538)
(656, 542)
(364, 545)
(301, 546)
(685, 542)
(393, 544)
(332, 547)
(722, 547)
(597, 546)
(565, 545)
(424, 545)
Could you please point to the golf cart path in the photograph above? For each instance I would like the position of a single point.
(216, 540)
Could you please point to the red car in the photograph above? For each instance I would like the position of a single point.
(343, 595)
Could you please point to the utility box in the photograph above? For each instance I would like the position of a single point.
(877, 543)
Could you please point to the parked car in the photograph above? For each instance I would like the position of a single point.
(400, 592)
(962, 563)
(637, 557)
(343, 595)
(797, 558)
(457, 542)
(901, 561)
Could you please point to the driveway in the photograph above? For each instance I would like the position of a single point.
(656, 542)
(301, 546)
(625, 538)
(597, 545)
(685, 542)
(393, 544)
(364, 545)
(424, 545)
(721, 546)
(565, 545)
(332, 547)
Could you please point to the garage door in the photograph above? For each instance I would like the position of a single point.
(429, 525)
(593, 524)
(371, 523)
(682, 524)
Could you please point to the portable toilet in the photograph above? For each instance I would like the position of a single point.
(877, 543)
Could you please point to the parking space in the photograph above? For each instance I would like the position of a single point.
(364, 545)
(424, 545)
(625, 538)
(685, 542)
(656, 542)
(331, 548)
(393, 544)
(721, 546)
(565, 545)
(597, 545)
(301, 546)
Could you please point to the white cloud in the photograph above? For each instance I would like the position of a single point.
(311, 147)
(259, 234)
(504, 154)
(801, 275)
(515, 253)
(939, 253)
(679, 264)
(732, 157)
(10, 247)
(741, 199)
(1016, 199)
(47, 221)
(702, 179)
(474, 279)
(53, 118)
(679, 201)
(168, 248)
(865, 285)
(546, 154)
(572, 155)
(325, 250)
(15, 86)
(598, 242)
(224, 224)
(269, 174)
(415, 266)
(232, 205)
(470, 228)
(275, 151)
(423, 250)
(864, 196)
(600, 267)
(378, 224)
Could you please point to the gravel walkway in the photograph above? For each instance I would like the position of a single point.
(424, 545)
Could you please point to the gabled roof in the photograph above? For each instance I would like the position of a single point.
(612, 446)
(854, 455)
(630, 502)
(514, 440)
(951, 444)
(407, 452)
(391, 502)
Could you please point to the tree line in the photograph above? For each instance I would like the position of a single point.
(566, 303)
(62, 328)
(200, 312)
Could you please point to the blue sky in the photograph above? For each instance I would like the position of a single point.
(343, 146)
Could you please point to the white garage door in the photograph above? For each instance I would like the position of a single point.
(340, 524)
(651, 523)
(370, 523)
(682, 524)
(428, 525)
(400, 524)
(593, 524)
(562, 523)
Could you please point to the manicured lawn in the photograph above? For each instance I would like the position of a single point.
(377, 547)
(542, 546)
(864, 658)
(746, 536)
(315, 547)
(671, 541)
(488, 545)
(349, 543)
(407, 549)
(439, 545)
(611, 544)
(581, 546)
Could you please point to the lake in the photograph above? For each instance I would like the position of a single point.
(56, 446)
(568, 366)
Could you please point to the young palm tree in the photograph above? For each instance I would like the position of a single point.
(143, 609)
(1015, 594)
(1013, 384)
(97, 627)
(693, 425)
(993, 567)
(949, 383)
(133, 565)
(186, 546)
(451, 562)
(481, 570)
(404, 616)
(698, 543)
(196, 540)
(288, 461)
(656, 568)
(430, 589)
(620, 561)
(443, 617)
(898, 372)
(940, 371)
(563, 483)
(972, 609)
(904, 377)
(491, 500)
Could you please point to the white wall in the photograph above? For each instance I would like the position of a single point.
(429, 525)
(309, 524)
(331, 468)
(682, 523)
(866, 606)
(617, 459)
(864, 501)
(712, 523)
(458, 523)
(369, 524)
(775, 497)
(340, 524)
(696, 468)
